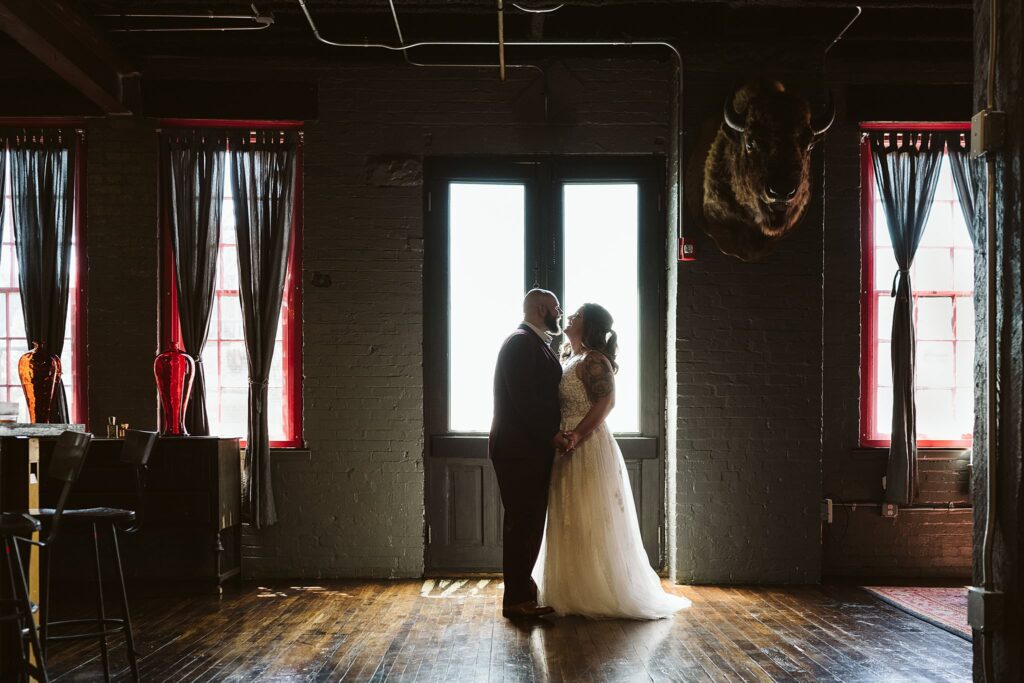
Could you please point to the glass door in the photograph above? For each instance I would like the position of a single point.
(590, 232)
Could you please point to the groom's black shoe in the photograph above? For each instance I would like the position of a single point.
(525, 610)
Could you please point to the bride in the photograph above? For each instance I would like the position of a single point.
(592, 561)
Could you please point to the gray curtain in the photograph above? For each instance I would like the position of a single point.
(263, 181)
(906, 173)
(193, 185)
(959, 149)
(43, 203)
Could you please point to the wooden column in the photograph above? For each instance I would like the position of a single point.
(1009, 293)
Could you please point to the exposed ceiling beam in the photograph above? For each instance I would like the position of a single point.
(59, 38)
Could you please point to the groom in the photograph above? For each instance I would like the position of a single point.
(523, 439)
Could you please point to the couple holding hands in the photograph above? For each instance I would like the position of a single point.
(572, 541)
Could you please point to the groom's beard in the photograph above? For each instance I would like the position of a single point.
(551, 325)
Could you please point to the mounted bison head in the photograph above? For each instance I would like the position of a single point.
(757, 171)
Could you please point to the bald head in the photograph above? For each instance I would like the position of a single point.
(541, 309)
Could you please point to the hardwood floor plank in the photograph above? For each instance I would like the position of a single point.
(446, 630)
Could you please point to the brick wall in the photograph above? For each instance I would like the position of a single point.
(749, 399)
(121, 187)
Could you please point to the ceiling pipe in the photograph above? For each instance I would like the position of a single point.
(501, 39)
(538, 10)
(675, 55)
(260, 21)
(411, 62)
(856, 16)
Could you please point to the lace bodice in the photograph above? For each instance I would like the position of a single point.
(572, 395)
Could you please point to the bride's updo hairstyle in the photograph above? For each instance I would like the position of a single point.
(598, 334)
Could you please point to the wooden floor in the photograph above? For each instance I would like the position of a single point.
(452, 631)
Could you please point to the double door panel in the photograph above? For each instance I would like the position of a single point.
(588, 231)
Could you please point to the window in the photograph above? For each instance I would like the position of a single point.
(485, 293)
(13, 342)
(224, 356)
(942, 277)
(600, 225)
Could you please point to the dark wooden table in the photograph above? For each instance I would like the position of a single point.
(191, 534)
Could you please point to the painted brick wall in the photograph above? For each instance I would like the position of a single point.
(122, 263)
(749, 415)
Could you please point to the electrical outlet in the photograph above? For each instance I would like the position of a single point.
(988, 132)
(826, 510)
(890, 510)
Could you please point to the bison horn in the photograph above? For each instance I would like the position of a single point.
(819, 127)
(732, 119)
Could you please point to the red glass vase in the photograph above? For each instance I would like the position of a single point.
(39, 371)
(174, 370)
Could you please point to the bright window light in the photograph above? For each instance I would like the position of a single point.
(485, 284)
(601, 242)
(943, 280)
(224, 357)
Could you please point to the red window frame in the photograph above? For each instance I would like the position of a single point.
(77, 288)
(291, 361)
(869, 305)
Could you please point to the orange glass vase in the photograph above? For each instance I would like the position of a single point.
(174, 370)
(39, 371)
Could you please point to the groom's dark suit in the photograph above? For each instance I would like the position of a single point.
(526, 419)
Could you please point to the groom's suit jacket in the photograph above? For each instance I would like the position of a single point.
(526, 410)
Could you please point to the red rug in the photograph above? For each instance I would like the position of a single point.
(943, 607)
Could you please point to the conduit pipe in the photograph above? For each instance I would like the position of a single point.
(409, 61)
(856, 16)
(675, 55)
(261, 22)
(501, 39)
(538, 10)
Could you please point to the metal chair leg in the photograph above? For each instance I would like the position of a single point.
(44, 594)
(15, 596)
(128, 635)
(26, 605)
(102, 617)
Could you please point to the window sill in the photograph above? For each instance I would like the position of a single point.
(286, 455)
(291, 455)
(926, 453)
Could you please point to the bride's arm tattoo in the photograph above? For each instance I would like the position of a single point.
(598, 377)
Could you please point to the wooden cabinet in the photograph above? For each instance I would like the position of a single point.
(191, 526)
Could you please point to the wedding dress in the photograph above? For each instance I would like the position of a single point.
(592, 562)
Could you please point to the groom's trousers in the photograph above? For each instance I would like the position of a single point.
(524, 493)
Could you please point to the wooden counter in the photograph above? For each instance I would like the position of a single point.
(191, 533)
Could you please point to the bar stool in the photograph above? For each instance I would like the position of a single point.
(137, 448)
(68, 458)
(18, 609)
